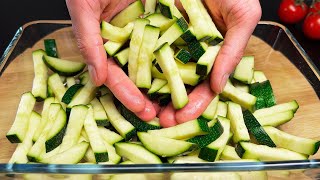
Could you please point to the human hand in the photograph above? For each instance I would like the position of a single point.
(86, 16)
(236, 19)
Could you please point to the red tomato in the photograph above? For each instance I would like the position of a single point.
(311, 26)
(292, 11)
(315, 7)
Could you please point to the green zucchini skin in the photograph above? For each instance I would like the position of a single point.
(51, 47)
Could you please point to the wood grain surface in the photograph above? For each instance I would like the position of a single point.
(288, 84)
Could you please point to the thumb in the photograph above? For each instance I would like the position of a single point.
(85, 16)
(229, 56)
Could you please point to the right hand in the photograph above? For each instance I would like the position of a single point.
(237, 20)
(86, 16)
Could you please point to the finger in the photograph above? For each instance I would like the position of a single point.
(167, 116)
(85, 16)
(199, 99)
(123, 88)
(157, 107)
(149, 112)
(114, 8)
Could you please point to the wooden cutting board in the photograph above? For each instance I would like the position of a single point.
(288, 84)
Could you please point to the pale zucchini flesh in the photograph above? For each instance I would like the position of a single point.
(136, 153)
(135, 45)
(39, 85)
(19, 129)
(163, 146)
(96, 141)
(169, 67)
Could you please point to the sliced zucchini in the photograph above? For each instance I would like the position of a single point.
(116, 34)
(222, 109)
(264, 93)
(238, 126)
(113, 47)
(125, 128)
(179, 42)
(63, 67)
(244, 70)
(216, 37)
(229, 153)
(39, 85)
(135, 45)
(291, 142)
(96, 141)
(51, 47)
(165, 8)
(50, 154)
(136, 153)
(135, 121)
(248, 150)
(183, 131)
(85, 95)
(215, 131)
(206, 61)
(129, 14)
(100, 115)
(70, 81)
(150, 37)
(122, 57)
(173, 33)
(259, 76)
(190, 159)
(39, 148)
(20, 154)
(198, 21)
(188, 73)
(160, 21)
(213, 151)
(84, 77)
(55, 135)
(19, 128)
(183, 56)
(189, 36)
(276, 119)
(150, 6)
(244, 99)
(178, 91)
(165, 147)
(156, 85)
(71, 156)
(252, 175)
(210, 111)
(256, 130)
(71, 91)
(208, 175)
(113, 156)
(289, 106)
(56, 86)
(168, 9)
(242, 87)
(109, 136)
(197, 49)
(74, 127)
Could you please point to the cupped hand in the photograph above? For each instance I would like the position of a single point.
(86, 16)
(236, 19)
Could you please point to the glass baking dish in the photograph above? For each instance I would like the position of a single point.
(277, 53)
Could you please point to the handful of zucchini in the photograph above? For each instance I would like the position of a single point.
(162, 52)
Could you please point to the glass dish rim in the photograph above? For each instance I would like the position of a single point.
(156, 168)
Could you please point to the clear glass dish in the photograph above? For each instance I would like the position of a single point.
(277, 53)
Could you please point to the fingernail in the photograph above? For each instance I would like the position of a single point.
(223, 82)
(93, 74)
